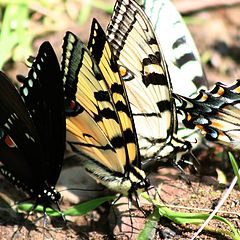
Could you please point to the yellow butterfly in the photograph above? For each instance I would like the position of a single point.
(100, 128)
(147, 81)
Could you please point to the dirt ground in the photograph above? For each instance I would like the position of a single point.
(217, 35)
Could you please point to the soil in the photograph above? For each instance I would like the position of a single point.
(217, 36)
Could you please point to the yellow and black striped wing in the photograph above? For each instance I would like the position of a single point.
(144, 71)
(102, 127)
(216, 113)
(102, 53)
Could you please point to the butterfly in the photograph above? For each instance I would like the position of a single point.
(215, 113)
(33, 128)
(100, 128)
(144, 70)
(181, 54)
(182, 57)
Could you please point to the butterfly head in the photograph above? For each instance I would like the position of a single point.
(49, 194)
(138, 181)
(181, 147)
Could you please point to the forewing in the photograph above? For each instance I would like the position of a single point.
(102, 53)
(181, 54)
(42, 91)
(20, 146)
(144, 70)
(97, 125)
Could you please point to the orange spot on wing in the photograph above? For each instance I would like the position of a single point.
(200, 127)
(122, 71)
(204, 97)
(189, 117)
(217, 125)
(220, 91)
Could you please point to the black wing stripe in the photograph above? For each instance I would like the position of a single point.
(187, 57)
(117, 91)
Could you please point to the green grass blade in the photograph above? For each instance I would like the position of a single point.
(85, 207)
(77, 210)
(235, 167)
(150, 227)
(192, 218)
(13, 30)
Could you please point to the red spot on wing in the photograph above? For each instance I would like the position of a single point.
(9, 142)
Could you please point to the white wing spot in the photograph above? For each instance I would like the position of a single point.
(6, 125)
(10, 121)
(25, 92)
(34, 75)
(29, 137)
(30, 83)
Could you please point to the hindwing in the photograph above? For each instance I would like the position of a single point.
(215, 113)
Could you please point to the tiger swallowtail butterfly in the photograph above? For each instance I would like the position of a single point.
(215, 113)
(33, 128)
(144, 70)
(182, 57)
(100, 128)
(181, 54)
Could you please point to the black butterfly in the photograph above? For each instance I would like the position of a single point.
(32, 128)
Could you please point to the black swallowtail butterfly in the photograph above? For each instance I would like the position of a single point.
(32, 128)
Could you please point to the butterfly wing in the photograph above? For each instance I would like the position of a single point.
(104, 58)
(216, 113)
(145, 73)
(91, 126)
(42, 91)
(102, 130)
(20, 153)
(182, 57)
